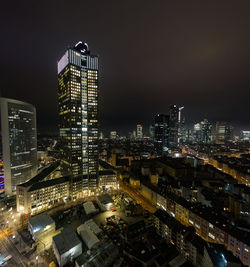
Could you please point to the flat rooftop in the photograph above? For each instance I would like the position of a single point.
(105, 199)
(66, 240)
(40, 221)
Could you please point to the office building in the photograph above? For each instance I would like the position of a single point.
(139, 134)
(197, 133)
(245, 135)
(19, 142)
(222, 133)
(174, 114)
(78, 115)
(151, 131)
(161, 133)
(113, 135)
(181, 122)
(206, 131)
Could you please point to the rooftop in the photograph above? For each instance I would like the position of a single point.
(209, 214)
(40, 221)
(104, 165)
(48, 183)
(106, 172)
(41, 175)
(105, 199)
(66, 240)
(220, 256)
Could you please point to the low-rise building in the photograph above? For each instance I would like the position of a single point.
(209, 224)
(104, 201)
(89, 208)
(40, 226)
(103, 255)
(93, 227)
(66, 246)
(108, 179)
(190, 245)
(88, 237)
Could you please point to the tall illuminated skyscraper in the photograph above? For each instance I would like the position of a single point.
(222, 132)
(78, 115)
(206, 132)
(19, 142)
(173, 126)
(161, 133)
(139, 134)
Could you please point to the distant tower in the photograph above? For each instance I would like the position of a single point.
(180, 125)
(206, 131)
(113, 135)
(19, 142)
(139, 134)
(78, 116)
(161, 133)
(101, 135)
(174, 114)
(197, 132)
(222, 132)
(151, 131)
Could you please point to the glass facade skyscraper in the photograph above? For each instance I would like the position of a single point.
(173, 126)
(161, 133)
(78, 116)
(19, 142)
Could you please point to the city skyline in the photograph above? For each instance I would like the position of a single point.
(125, 133)
(203, 66)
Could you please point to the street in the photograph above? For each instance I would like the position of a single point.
(8, 248)
(146, 204)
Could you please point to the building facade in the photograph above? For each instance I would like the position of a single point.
(222, 133)
(206, 132)
(173, 126)
(208, 224)
(161, 133)
(19, 142)
(139, 134)
(78, 115)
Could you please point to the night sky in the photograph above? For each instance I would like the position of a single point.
(152, 54)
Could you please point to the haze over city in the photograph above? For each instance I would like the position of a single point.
(153, 54)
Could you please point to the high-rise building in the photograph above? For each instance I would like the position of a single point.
(151, 131)
(181, 122)
(78, 115)
(19, 142)
(245, 135)
(206, 131)
(113, 135)
(139, 134)
(173, 126)
(101, 135)
(161, 131)
(222, 132)
(197, 133)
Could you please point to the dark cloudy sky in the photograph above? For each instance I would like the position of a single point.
(153, 53)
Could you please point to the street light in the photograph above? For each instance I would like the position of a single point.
(37, 261)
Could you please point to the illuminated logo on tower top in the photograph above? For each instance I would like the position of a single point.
(81, 47)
